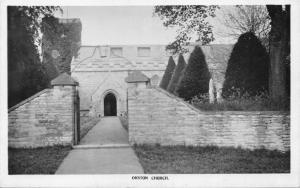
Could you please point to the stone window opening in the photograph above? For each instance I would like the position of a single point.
(144, 51)
(116, 52)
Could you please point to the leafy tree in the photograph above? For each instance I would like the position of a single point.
(279, 51)
(196, 77)
(248, 67)
(176, 74)
(26, 75)
(190, 20)
(168, 73)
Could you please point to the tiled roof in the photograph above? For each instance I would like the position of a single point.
(64, 79)
(136, 76)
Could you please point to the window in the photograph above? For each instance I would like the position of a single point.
(116, 52)
(143, 51)
(103, 51)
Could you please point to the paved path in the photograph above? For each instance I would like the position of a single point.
(104, 150)
(108, 131)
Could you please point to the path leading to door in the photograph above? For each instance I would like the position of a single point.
(104, 150)
(108, 131)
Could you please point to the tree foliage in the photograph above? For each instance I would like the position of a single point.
(26, 75)
(176, 74)
(190, 20)
(248, 67)
(196, 76)
(168, 73)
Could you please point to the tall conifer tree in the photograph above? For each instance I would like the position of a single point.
(196, 77)
(247, 69)
(168, 73)
(176, 74)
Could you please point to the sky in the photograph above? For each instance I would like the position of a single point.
(108, 25)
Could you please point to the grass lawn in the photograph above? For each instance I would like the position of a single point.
(36, 161)
(190, 160)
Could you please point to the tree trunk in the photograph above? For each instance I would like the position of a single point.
(277, 88)
(278, 48)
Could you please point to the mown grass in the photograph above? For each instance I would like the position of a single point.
(37, 160)
(199, 160)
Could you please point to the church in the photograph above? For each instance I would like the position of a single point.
(101, 72)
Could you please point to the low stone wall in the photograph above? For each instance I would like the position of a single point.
(44, 119)
(156, 116)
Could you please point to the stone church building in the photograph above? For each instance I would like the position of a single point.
(101, 72)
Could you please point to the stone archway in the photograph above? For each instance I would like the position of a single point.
(110, 105)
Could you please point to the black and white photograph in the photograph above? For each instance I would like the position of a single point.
(150, 94)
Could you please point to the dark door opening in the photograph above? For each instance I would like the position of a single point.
(110, 105)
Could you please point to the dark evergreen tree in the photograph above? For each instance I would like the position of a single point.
(176, 74)
(179, 81)
(26, 74)
(196, 77)
(248, 67)
(168, 73)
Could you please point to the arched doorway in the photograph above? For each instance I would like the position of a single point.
(110, 105)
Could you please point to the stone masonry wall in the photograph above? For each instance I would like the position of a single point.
(44, 119)
(155, 116)
(93, 86)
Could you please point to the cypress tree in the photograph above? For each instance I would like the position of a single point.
(176, 74)
(196, 77)
(248, 67)
(168, 73)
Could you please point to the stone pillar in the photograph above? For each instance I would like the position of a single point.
(219, 96)
(64, 84)
(219, 92)
(211, 91)
(136, 82)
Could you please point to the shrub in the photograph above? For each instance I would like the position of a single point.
(176, 74)
(239, 101)
(248, 67)
(196, 76)
(168, 73)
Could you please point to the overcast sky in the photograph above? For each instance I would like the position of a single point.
(103, 25)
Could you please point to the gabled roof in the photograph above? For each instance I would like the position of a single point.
(64, 79)
(136, 76)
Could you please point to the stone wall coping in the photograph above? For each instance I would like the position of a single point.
(136, 76)
(240, 112)
(64, 79)
(179, 99)
(220, 112)
(28, 100)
